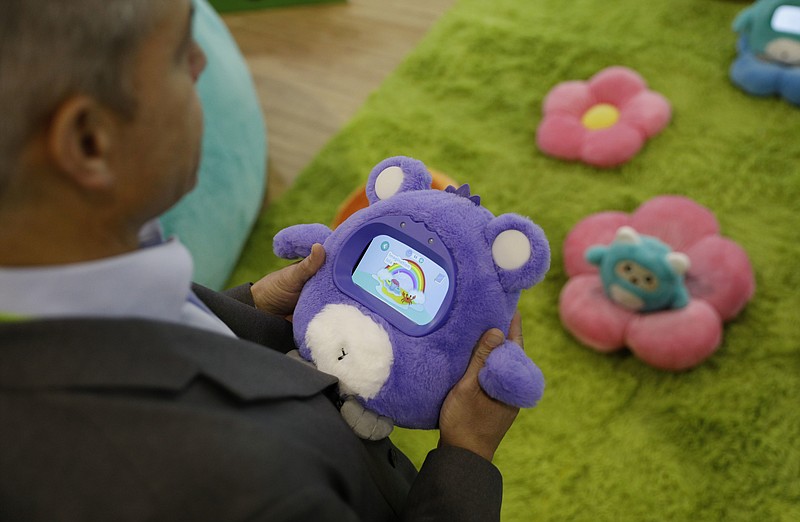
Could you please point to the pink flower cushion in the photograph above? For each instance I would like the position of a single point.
(604, 121)
(720, 282)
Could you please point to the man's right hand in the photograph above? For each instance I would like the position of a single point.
(469, 418)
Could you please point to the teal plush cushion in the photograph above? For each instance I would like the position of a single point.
(214, 220)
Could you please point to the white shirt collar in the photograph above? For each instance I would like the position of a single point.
(151, 283)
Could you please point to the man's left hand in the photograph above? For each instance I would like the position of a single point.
(277, 293)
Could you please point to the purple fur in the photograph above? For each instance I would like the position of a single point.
(533, 271)
(297, 240)
(510, 377)
(417, 176)
(425, 368)
(464, 192)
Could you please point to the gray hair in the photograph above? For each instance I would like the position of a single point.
(53, 49)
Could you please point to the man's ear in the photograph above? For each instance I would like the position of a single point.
(79, 142)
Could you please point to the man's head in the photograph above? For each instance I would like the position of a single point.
(98, 105)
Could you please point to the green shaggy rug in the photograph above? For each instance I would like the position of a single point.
(612, 439)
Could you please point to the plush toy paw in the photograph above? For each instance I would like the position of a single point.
(296, 241)
(511, 377)
(365, 423)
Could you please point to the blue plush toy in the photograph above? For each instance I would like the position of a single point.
(409, 285)
(769, 49)
(641, 273)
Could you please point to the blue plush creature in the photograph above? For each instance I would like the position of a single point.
(640, 272)
(769, 49)
(409, 285)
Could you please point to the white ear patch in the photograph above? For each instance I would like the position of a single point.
(348, 344)
(627, 235)
(511, 250)
(679, 262)
(388, 182)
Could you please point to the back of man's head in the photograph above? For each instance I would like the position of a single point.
(53, 49)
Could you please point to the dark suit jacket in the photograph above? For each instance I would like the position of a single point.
(116, 420)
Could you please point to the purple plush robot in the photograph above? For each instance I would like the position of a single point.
(409, 285)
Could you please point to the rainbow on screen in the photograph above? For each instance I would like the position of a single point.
(414, 273)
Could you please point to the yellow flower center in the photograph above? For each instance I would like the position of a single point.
(601, 116)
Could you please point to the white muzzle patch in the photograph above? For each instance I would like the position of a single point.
(349, 345)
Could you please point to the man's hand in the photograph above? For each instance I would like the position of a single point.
(469, 418)
(277, 293)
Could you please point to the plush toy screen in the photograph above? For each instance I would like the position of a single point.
(402, 277)
(786, 19)
(399, 269)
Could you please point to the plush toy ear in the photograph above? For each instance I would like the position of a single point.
(394, 175)
(679, 262)
(595, 254)
(628, 236)
(520, 251)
